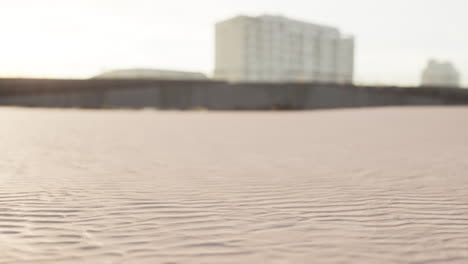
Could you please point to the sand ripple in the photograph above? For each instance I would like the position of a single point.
(350, 186)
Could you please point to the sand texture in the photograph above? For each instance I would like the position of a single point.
(386, 185)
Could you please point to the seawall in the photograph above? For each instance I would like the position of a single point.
(214, 95)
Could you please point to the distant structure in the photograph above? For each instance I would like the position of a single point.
(150, 74)
(277, 49)
(440, 74)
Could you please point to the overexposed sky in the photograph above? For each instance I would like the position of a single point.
(80, 38)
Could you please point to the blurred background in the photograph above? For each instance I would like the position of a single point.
(393, 41)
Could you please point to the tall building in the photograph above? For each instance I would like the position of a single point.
(277, 49)
(440, 74)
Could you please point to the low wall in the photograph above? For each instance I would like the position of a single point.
(165, 94)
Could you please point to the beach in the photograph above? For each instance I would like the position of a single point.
(371, 185)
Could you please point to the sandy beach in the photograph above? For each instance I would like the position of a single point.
(382, 185)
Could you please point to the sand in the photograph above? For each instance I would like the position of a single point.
(384, 185)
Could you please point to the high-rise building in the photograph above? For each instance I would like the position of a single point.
(440, 74)
(277, 49)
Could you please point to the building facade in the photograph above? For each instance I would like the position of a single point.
(441, 74)
(150, 74)
(277, 49)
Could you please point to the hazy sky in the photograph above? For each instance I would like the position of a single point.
(80, 38)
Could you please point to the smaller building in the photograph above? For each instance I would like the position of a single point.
(150, 74)
(441, 74)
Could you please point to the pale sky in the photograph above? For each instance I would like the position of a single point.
(80, 38)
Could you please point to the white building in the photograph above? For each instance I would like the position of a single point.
(440, 74)
(151, 74)
(276, 49)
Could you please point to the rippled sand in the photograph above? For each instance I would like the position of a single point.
(383, 185)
